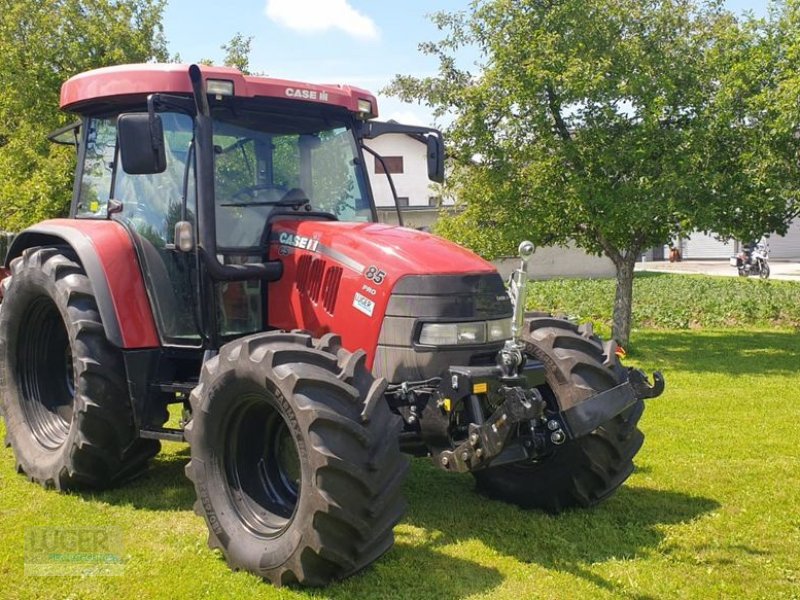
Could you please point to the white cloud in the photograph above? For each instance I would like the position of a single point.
(314, 16)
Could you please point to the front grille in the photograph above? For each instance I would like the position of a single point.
(330, 288)
(309, 276)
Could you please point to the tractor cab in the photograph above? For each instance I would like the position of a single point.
(201, 161)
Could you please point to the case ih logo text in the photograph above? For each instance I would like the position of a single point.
(307, 94)
(299, 241)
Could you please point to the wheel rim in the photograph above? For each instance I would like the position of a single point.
(46, 373)
(262, 467)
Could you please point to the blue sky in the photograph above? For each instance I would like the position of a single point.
(325, 41)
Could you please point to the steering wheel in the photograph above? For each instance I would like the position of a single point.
(294, 198)
(252, 189)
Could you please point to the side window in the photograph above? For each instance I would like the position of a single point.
(98, 165)
(152, 203)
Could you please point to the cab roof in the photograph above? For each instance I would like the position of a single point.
(126, 83)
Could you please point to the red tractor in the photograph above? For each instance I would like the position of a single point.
(222, 253)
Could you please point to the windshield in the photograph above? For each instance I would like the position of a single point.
(264, 163)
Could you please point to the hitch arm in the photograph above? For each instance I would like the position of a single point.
(642, 387)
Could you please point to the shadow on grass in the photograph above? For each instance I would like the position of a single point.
(732, 352)
(162, 487)
(447, 509)
(414, 571)
(625, 526)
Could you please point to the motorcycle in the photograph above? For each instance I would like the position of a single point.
(752, 260)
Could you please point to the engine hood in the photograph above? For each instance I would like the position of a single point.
(397, 251)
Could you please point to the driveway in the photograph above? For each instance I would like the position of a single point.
(779, 269)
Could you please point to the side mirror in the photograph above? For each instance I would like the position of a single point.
(141, 143)
(435, 158)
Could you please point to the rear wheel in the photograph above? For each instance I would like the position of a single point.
(295, 458)
(64, 393)
(585, 471)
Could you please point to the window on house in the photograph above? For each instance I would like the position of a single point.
(402, 201)
(394, 164)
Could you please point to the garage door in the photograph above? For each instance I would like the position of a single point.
(700, 245)
(787, 246)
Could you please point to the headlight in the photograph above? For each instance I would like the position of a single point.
(499, 330)
(464, 334)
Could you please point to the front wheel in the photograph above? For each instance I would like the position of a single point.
(295, 458)
(764, 270)
(585, 471)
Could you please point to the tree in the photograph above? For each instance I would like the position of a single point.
(237, 53)
(757, 131)
(43, 43)
(597, 122)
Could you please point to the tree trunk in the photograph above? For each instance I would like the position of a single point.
(623, 299)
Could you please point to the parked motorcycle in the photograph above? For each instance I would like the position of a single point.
(753, 260)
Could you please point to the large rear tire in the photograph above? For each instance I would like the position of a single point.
(295, 458)
(582, 472)
(63, 386)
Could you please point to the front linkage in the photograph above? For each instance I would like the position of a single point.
(453, 419)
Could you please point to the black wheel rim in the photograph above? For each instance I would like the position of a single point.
(46, 373)
(262, 466)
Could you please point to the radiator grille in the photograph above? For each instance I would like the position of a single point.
(317, 282)
(330, 288)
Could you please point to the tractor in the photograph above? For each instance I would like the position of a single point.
(223, 257)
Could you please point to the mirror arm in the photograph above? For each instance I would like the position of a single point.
(379, 158)
(369, 130)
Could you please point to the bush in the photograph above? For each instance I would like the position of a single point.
(666, 301)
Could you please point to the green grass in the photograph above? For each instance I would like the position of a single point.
(711, 512)
(675, 301)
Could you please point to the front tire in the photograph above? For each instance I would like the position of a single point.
(763, 272)
(63, 385)
(585, 471)
(295, 458)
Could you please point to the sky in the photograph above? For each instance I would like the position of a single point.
(357, 42)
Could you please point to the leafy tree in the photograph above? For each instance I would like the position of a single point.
(237, 53)
(43, 43)
(754, 139)
(599, 122)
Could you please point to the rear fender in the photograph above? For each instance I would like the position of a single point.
(106, 252)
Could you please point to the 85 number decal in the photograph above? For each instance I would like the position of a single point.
(375, 275)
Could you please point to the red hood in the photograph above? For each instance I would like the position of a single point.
(398, 250)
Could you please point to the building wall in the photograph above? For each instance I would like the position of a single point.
(413, 183)
(556, 262)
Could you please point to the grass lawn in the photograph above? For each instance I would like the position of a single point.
(713, 510)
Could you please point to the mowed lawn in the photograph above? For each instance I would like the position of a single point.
(713, 510)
